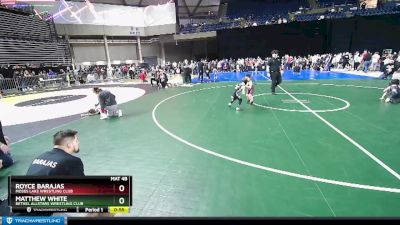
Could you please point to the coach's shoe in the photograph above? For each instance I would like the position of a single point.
(273, 93)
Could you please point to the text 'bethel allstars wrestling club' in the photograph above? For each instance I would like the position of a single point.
(70, 194)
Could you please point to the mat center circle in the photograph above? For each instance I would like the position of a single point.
(291, 101)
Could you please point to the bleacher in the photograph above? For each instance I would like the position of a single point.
(262, 9)
(26, 39)
(260, 12)
(377, 11)
(26, 27)
(22, 52)
(328, 3)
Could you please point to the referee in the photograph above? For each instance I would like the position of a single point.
(274, 65)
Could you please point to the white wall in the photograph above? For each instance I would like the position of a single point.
(152, 49)
(89, 52)
(193, 49)
(87, 29)
(123, 52)
(126, 51)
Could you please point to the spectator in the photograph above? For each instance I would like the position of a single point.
(187, 72)
(389, 67)
(357, 60)
(132, 72)
(155, 77)
(143, 75)
(397, 63)
(367, 60)
(91, 78)
(52, 74)
(163, 79)
(375, 61)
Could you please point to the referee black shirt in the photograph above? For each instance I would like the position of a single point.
(274, 65)
(56, 163)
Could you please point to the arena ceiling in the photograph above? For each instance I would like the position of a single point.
(186, 8)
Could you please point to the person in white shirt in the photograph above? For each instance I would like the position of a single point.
(357, 60)
(375, 61)
(91, 78)
(337, 60)
(219, 65)
(388, 67)
(388, 60)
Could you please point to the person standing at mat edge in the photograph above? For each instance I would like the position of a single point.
(60, 160)
(275, 65)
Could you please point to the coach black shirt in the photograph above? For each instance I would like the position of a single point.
(274, 65)
(56, 163)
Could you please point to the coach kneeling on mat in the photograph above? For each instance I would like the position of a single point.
(108, 104)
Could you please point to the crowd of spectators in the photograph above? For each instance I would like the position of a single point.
(26, 78)
(8, 71)
(387, 62)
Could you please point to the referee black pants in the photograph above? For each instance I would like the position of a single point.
(201, 75)
(276, 79)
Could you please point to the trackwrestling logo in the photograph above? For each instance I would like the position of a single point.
(33, 220)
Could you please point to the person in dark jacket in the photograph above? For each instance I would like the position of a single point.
(60, 160)
(163, 79)
(200, 67)
(108, 104)
(57, 162)
(5, 154)
(275, 65)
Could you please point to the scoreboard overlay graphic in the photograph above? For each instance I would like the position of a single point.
(89, 194)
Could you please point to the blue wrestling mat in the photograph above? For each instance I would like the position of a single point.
(287, 75)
